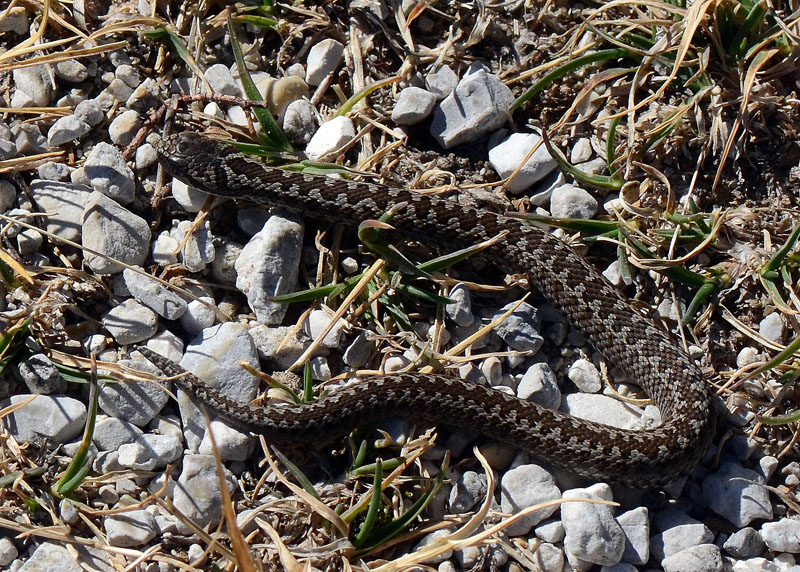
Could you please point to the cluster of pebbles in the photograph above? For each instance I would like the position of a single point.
(722, 517)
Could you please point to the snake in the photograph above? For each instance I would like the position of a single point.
(627, 337)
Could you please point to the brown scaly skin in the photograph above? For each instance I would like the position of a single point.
(648, 458)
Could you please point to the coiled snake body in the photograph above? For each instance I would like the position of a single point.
(648, 458)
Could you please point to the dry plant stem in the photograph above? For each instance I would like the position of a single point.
(640, 458)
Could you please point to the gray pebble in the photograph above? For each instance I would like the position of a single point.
(111, 433)
(782, 535)
(478, 105)
(735, 493)
(442, 82)
(701, 558)
(41, 376)
(197, 492)
(34, 82)
(635, 524)
(114, 231)
(745, 543)
(49, 557)
(109, 174)
(132, 528)
(221, 80)
(66, 129)
(130, 322)
(507, 156)
(72, 71)
(569, 201)
(592, 533)
(268, 266)
(299, 121)
(524, 486)
(460, 310)
(65, 204)
(137, 402)
(232, 443)
(154, 295)
(413, 105)
(773, 327)
(323, 59)
(520, 330)
(57, 418)
(540, 385)
(359, 351)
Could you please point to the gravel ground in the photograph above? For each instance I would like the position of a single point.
(102, 252)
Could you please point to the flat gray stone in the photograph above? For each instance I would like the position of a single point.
(525, 486)
(323, 59)
(58, 418)
(137, 402)
(592, 533)
(509, 154)
(154, 295)
(197, 493)
(413, 105)
(130, 322)
(736, 494)
(65, 204)
(477, 106)
(49, 557)
(114, 231)
(109, 174)
(133, 528)
(268, 266)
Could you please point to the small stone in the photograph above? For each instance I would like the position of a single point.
(197, 493)
(736, 493)
(223, 268)
(520, 329)
(549, 557)
(635, 524)
(35, 83)
(581, 151)
(478, 105)
(66, 129)
(221, 80)
(268, 266)
(525, 486)
(601, 409)
(198, 247)
(114, 231)
(330, 137)
(569, 201)
(507, 156)
(317, 321)
(132, 528)
(8, 552)
(145, 157)
(90, 111)
(413, 105)
(359, 351)
(745, 543)
(130, 322)
(41, 376)
(52, 171)
(432, 538)
(585, 376)
(300, 121)
(281, 345)
(284, 92)
(111, 433)
(678, 532)
(15, 19)
(773, 327)
(460, 310)
(49, 557)
(137, 402)
(29, 241)
(64, 203)
(189, 198)
(165, 249)
(468, 491)
(701, 558)
(71, 70)
(782, 536)
(109, 174)
(58, 419)
(214, 356)
(199, 315)
(124, 128)
(540, 385)
(592, 533)
(323, 59)
(551, 531)
(442, 82)
(232, 444)
(154, 295)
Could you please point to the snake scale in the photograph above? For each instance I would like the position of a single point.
(647, 458)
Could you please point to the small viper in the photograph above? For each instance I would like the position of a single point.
(628, 339)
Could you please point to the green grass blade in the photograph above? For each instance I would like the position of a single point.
(374, 507)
